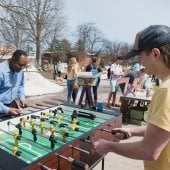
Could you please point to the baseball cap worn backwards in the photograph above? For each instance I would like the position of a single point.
(151, 37)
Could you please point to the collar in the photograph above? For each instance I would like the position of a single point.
(7, 67)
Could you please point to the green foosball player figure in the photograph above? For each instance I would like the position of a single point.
(53, 141)
(34, 132)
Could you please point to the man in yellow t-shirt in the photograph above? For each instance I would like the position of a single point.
(152, 45)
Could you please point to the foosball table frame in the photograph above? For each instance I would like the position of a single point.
(56, 159)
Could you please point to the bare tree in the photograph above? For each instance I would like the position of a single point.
(41, 19)
(11, 27)
(114, 48)
(89, 38)
(6, 50)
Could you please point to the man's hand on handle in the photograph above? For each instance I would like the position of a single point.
(14, 111)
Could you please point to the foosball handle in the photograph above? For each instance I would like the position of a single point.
(125, 134)
(79, 163)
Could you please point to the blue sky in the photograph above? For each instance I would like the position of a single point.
(117, 19)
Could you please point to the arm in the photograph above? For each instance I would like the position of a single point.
(76, 71)
(21, 93)
(3, 108)
(154, 141)
(131, 131)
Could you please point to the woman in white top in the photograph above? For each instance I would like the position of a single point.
(72, 73)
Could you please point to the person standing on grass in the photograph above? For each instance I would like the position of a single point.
(152, 45)
(12, 83)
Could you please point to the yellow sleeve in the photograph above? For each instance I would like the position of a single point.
(160, 109)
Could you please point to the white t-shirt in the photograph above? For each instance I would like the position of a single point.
(116, 70)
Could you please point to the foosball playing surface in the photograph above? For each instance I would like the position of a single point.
(32, 137)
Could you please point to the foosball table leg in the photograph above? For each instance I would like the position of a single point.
(103, 164)
(44, 167)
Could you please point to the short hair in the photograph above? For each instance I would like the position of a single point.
(119, 58)
(165, 52)
(17, 54)
(94, 59)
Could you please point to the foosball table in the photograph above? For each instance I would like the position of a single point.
(56, 138)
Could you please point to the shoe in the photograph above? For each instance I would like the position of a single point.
(117, 105)
(108, 105)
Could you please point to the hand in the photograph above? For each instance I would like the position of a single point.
(102, 146)
(14, 111)
(23, 104)
(121, 133)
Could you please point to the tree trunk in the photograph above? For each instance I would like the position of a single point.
(38, 54)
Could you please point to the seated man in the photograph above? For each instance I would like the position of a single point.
(12, 83)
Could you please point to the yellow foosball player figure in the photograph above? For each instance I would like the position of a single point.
(46, 115)
(15, 151)
(23, 121)
(16, 138)
(52, 129)
(32, 123)
(74, 127)
(75, 121)
(64, 134)
(41, 125)
(59, 118)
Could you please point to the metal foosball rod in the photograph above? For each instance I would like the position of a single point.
(28, 141)
(79, 113)
(86, 140)
(44, 167)
(73, 126)
(68, 135)
(86, 115)
(19, 127)
(79, 149)
(17, 152)
(63, 142)
(75, 162)
(86, 118)
(74, 122)
(43, 148)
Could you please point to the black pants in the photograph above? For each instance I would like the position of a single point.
(95, 92)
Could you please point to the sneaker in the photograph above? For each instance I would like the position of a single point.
(108, 105)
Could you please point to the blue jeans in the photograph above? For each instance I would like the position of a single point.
(70, 90)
